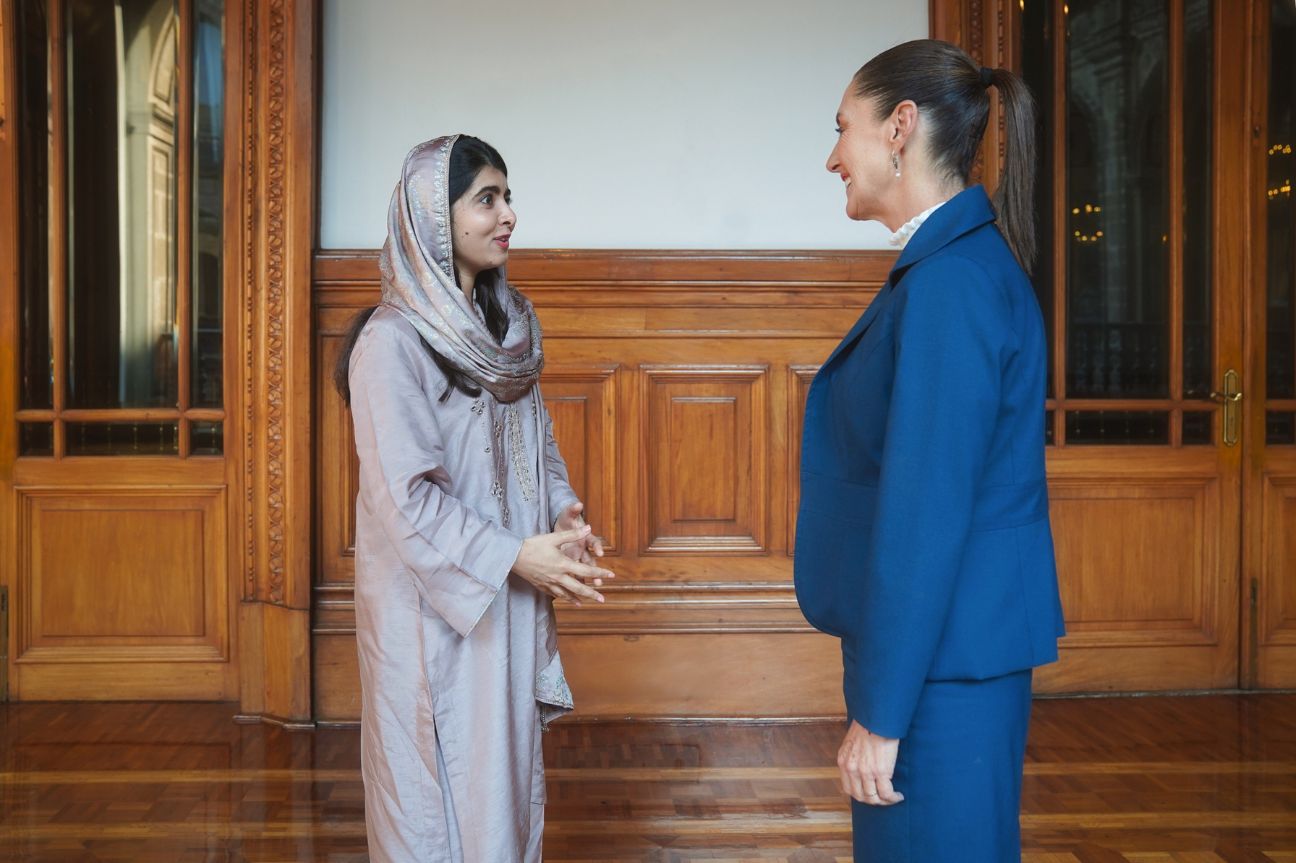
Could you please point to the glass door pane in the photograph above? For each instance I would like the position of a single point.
(121, 152)
(209, 204)
(36, 353)
(1198, 248)
(122, 106)
(1280, 224)
(1118, 195)
(1126, 179)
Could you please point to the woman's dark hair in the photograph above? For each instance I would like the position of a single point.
(953, 96)
(467, 159)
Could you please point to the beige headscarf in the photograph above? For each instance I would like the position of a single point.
(418, 280)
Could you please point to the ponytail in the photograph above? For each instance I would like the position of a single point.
(1015, 197)
(952, 94)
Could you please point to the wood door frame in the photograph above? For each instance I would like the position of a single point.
(277, 78)
(270, 192)
(1253, 429)
(1269, 478)
(989, 30)
(9, 275)
(967, 24)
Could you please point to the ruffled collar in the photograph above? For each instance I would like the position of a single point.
(909, 228)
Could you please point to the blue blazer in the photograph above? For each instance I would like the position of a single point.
(923, 538)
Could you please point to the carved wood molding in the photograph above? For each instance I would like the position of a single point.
(645, 609)
(275, 191)
(335, 269)
(278, 154)
(967, 24)
(607, 278)
(248, 329)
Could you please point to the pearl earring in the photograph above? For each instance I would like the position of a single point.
(895, 163)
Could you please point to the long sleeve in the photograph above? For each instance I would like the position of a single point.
(459, 560)
(561, 494)
(952, 326)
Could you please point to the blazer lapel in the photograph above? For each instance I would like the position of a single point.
(966, 211)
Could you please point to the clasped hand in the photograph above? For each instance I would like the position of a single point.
(867, 763)
(561, 563)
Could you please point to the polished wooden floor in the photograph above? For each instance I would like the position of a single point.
(1144, 780)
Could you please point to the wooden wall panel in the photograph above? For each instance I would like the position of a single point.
(337, 467)
(734, 674)
(582, 401)
(676, 382)
(706, 457)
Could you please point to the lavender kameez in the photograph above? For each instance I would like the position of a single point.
(458, 661)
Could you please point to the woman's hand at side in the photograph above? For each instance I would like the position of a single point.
(543, 563)
(867, 763)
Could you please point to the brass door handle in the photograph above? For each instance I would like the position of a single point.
(1230, 399)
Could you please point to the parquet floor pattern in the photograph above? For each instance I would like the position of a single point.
(1147, 780)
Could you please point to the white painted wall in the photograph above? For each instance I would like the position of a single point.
(676, 124)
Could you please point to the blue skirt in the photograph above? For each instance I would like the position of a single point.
(960, 770)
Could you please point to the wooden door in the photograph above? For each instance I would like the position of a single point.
(1270, 511)
(113, 406)
(1142, 283)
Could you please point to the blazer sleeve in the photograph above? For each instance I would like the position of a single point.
(952, 326)
(458, 559)
(561, 494)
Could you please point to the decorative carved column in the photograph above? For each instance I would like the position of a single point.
(276, 196)
(988, 31)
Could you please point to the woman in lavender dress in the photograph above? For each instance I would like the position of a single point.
(466, 526)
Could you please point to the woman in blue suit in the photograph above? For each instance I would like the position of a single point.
(923, 538)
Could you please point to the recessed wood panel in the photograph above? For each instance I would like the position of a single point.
(705, 458)
(685, 674)
(336, 667)
(703, 434)
(132, 575)
(1133, 557)
(337, 467)
(1279, 577)
(738, 675)
(116, 573)
(582, 401)
(570, 416)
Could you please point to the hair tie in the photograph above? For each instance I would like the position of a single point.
(987, 76)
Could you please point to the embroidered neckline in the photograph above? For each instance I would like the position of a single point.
(901, 237)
